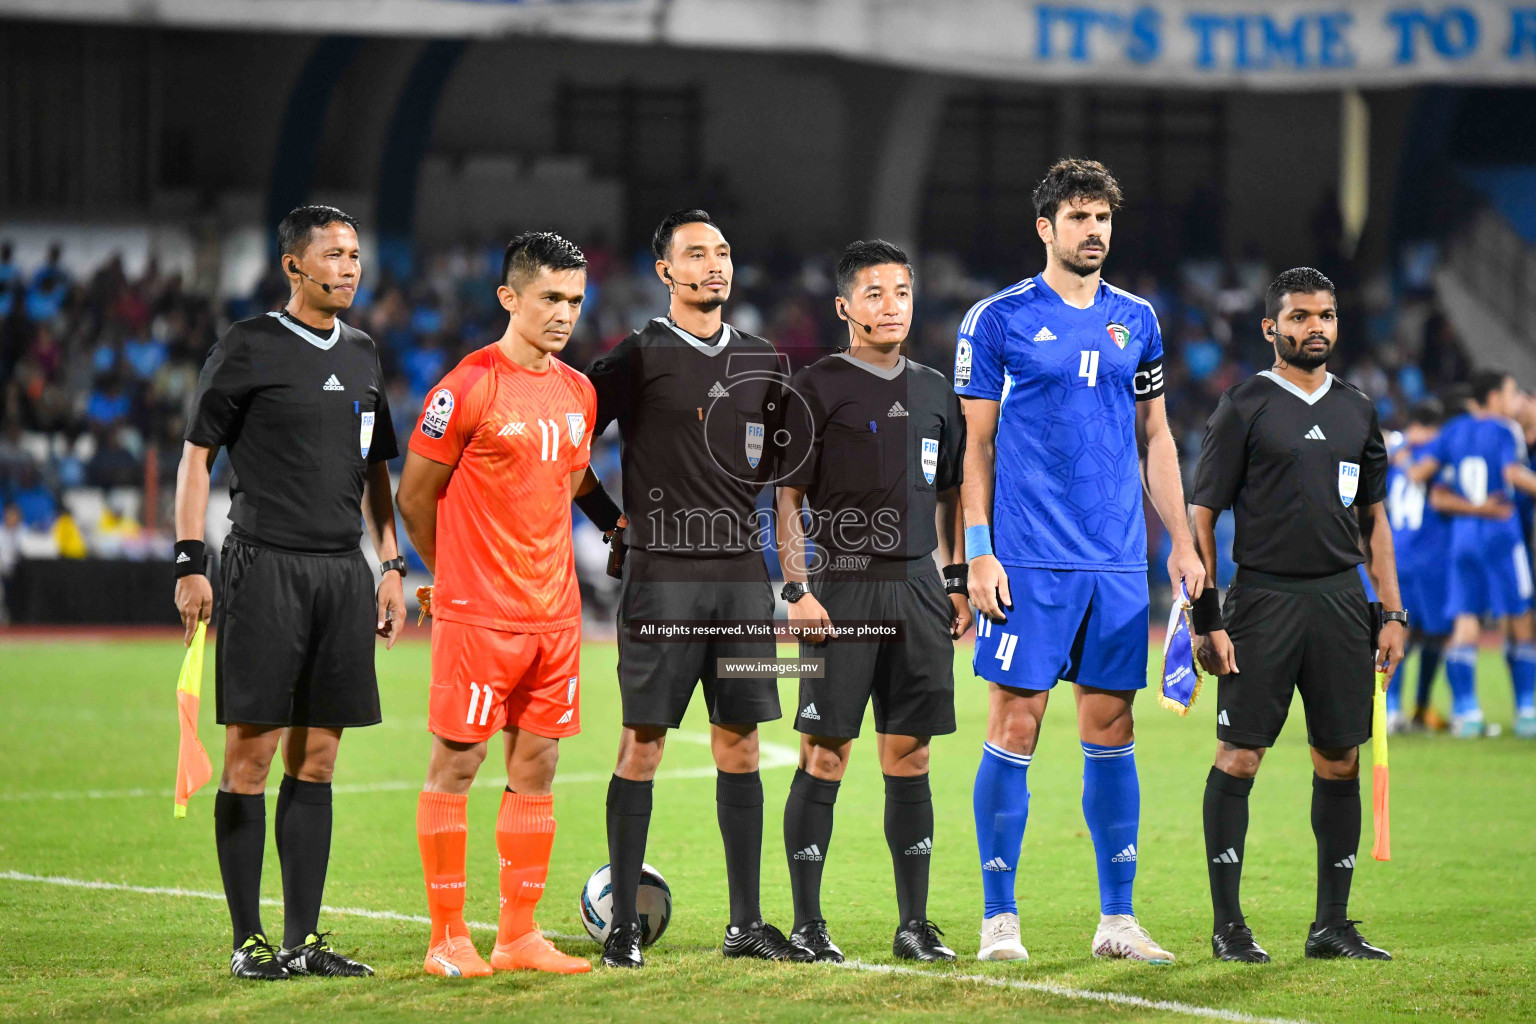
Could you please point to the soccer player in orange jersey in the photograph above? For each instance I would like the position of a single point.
(486, 493)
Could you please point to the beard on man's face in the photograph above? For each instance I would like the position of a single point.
(1079, 264)
(1296, 354)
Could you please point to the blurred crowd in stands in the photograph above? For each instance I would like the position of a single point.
(96, 370)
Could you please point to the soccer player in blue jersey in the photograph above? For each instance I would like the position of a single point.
(1480, 458)
(1421, 536)
(1061, 379)
(1525, 513)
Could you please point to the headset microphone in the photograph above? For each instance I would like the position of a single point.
(846, 316)
(675, 281)
(323, 286)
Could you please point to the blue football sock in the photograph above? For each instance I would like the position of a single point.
(1509, 660)
(1522, 671)
(1112, 807)
(1461, 673)
(1395, 692)
(1430, 653)
(1001, 803)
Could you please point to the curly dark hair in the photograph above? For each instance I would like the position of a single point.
(1072, 180)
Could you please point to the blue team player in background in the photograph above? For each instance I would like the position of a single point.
(1480, 458)
(1061, 379)
(1421, 536)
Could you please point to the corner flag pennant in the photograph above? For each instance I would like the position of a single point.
(193, 769)
(1380, 785)
(1181, 674)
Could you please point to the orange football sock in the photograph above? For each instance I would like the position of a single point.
(525, 833)
(441, 828)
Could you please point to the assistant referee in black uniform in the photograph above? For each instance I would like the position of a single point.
(884, 446)
(298, 399)
(1298, 455)
(697, 404)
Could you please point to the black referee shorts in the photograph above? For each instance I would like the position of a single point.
(1311, 635)
(657, 676)
(911, 679)
(296, 638)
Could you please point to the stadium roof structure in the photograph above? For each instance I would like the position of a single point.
(1302, 44)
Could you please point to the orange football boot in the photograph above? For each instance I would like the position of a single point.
(533, 952)
(456, 957)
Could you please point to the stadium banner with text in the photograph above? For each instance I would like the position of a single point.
(1224, 43)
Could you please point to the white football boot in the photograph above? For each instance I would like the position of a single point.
(1000, 939)
(1122, 936)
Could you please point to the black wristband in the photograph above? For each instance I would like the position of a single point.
(1205, 613)
(190, 555)
(957, 579)
(598, 507)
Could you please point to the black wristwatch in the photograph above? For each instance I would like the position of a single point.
(394, 564)
(1401, 616)
(793, 592)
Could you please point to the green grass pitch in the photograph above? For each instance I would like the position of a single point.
(87, 752)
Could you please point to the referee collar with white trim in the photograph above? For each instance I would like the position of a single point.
(697, 342)
(320, 341)
(1311, 399)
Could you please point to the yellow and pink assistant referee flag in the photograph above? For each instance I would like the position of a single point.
(1380, 786)
(193, 769)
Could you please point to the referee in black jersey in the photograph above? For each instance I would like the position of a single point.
(1297, 454)
(697, 404)
(298, 400)
(880, 475)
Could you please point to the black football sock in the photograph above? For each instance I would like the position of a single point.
(304, 853)
(807, 834)
(629, 823)
(909, 834)
(739, 808)
(1336, 824)
(1226, 829)
(240, 832)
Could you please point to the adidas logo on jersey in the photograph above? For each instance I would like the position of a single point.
(1228, 856)
(1044, 334)
(996, 864)
(716, 390)
(809, 713)
(1347, 862)
(812, 852)
(921, 849)
(332, 384)
(1127, 855)
(512, 429)
(1315, 434)
(1222, 719)
(897, 409)
(563, 719)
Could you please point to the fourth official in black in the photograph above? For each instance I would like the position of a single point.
(1298, 455)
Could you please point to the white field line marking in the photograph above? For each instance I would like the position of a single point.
(150, 890)
(1067, 992)
(1044, 987)
(771, 755)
